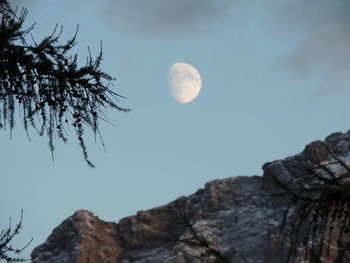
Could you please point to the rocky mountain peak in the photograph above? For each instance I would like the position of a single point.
(240, 218)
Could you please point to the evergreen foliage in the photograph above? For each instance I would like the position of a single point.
(7, 252)
(319, 225)
(47, 86)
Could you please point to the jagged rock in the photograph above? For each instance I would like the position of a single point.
(76, 238)
(240, 217)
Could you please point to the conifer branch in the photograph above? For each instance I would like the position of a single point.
(7, 252)
(47, 85)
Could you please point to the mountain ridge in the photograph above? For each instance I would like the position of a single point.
(239, 217)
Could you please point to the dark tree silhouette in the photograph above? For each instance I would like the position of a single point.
(47, 86)
(320, 226)
(204, 252)
(7, 252)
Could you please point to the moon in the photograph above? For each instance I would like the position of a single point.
(184, 82)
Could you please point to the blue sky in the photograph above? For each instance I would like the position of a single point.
(274, 78)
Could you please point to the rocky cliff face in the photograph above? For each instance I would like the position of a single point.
(239, 217)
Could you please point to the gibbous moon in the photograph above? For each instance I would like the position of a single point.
(184, 82)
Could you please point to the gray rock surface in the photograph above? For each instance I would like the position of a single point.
(239, 216)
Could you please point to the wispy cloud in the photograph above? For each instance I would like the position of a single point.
(164, 17)
(324, 48)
